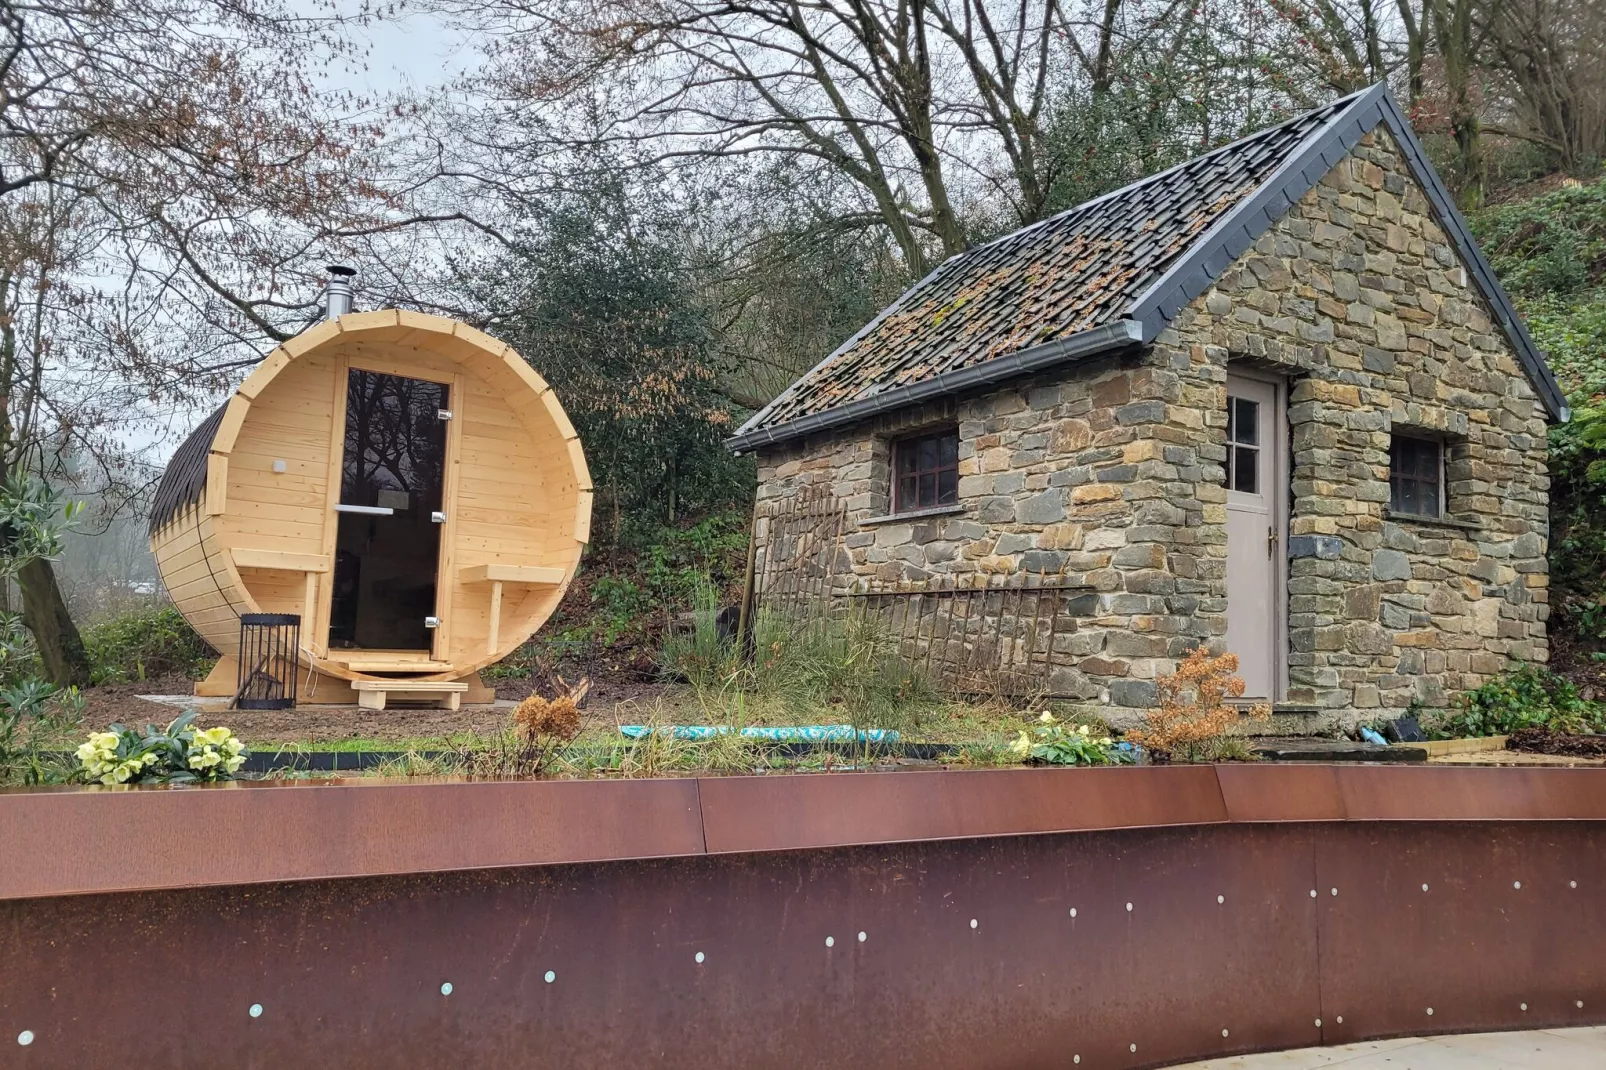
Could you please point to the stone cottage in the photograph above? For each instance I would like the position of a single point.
(1272, 399)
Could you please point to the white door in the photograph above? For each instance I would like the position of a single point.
(1256, 476)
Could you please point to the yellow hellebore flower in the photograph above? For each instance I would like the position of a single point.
(86, 752)
(232, 747)
(1047, 718)
(233, 764)
(1082, 729)
(1022, 746)
(214, 737)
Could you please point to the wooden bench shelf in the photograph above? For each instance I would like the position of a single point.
(372, 694)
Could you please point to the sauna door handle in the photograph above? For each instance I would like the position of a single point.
(366, 510)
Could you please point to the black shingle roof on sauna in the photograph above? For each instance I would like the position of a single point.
(185, 479)
(1108, 274)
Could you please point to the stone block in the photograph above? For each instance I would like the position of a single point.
(1391, 565)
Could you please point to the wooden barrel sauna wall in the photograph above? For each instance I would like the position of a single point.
(355, 456)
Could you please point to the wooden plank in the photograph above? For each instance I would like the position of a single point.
(500, 573)
(330, 533)
(217, 482)
(284, 560)
(442, 686)
(462, 411)
(496, 617)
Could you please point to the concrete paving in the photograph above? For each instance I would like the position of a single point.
(1544, 1049)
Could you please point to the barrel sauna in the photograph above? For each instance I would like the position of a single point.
(403, 482)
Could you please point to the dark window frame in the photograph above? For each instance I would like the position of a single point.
(1410, 478)
(941, 462)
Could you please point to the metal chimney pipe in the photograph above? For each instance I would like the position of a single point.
(337, 292)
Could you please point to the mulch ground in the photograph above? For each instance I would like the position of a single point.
(1538, 741)
(613, 695)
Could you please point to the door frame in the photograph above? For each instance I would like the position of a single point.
(343, 366)
(1282, 497)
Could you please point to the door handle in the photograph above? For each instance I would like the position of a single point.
(1271, 542)
(438, 517)
(432, 622)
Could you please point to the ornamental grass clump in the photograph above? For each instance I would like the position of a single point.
(178, 754)
(1193, 721)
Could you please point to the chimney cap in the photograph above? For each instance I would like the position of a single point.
(341, 270)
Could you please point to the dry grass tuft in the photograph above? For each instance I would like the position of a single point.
(538, 718)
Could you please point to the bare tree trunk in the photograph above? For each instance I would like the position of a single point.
(44, 611)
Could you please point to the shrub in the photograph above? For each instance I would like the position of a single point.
(35, 716)
(177, 754)
(1193, 718)
(1052, 743)
(147, 641)
(1529, 697)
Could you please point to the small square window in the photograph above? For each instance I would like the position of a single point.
(1416, 476)
(925, 471)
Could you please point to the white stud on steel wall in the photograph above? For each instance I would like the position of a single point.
(1221, 899)
(256, 1010)
(830, 941)
(1580, 1004)
(1572, 884)
(1318, 1023)
(1073, 912)
(862, 936)
(1424, 887)
(1517, 885)
(1522, 1006)
(550, 977)
(25, 1037)
(1223, 1032)
(1335, 891)
(1313, 893)
(1129, 908)
(1076, 1058)
(972, 923)
(698, 957)
(1131, 1047)
(1430, 1012)
(1339, 1019)
(446, 988)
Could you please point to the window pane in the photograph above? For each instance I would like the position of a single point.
(1414, 475)
(928, 489)
(950, 450)
(906, 458)
(928, 454)
(1248, 421)
(1245, 470)
(1232, 423)
(906, 493)
(947, 486)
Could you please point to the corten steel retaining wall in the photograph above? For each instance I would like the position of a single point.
(1091, 918)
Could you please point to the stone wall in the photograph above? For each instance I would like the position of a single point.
(1109, 473)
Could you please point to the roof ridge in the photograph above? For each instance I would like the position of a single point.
(1139, 183)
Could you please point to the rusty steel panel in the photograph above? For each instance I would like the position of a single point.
(1492, 926)
(1267, 792)
(971, 957)
(1449, 793)
(789, 813)
(278, 831)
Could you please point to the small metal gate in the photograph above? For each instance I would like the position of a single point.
(267, 675)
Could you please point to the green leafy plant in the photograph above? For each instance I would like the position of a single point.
(1529, 697)
(147, 641)
(34, 716)
(180, 753)
(1051, 743)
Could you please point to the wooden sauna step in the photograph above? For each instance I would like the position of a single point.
(417, 661)
(372, 694)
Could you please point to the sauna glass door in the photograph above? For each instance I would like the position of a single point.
(388, 546)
